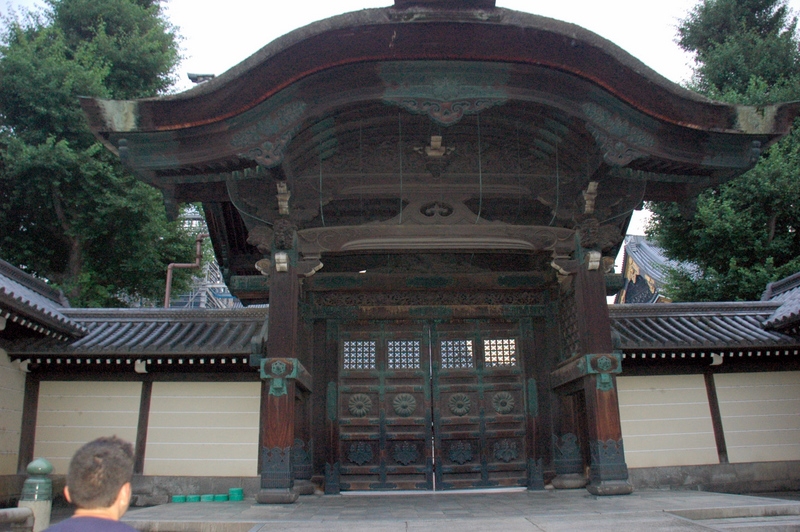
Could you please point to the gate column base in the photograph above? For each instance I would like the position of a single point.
(569, 482)
(276, 496)
(610, 487)
(303, 487)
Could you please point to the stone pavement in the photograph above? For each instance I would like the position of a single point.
(485, 511)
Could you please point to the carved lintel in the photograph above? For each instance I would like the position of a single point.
(313, 242)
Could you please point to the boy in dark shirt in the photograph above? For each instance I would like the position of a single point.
(99, 485)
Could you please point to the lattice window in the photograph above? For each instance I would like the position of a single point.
(403, 354)
(457, 354)
(500, 352)
(358, 354)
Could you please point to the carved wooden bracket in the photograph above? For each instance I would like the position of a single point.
(279, 370)
(604, 365)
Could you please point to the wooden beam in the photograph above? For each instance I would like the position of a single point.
(141, 428)
(27, 436)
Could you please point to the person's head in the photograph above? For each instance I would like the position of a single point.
(100, 473)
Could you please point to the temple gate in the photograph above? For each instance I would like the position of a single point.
(433, 224)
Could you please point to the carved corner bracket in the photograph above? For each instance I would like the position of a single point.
(603, 365)
(280, 370)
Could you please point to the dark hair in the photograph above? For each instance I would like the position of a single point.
(97, 472)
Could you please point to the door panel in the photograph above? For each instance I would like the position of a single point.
(423, 404)
(479, 406)
(384, 408)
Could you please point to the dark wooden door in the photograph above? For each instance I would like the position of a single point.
(430, 406)
(478, 406)
(385, 432)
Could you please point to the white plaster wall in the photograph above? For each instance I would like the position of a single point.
(760, 415)
(12, 393)
(666, 421)
(73, 413)
(203, 429)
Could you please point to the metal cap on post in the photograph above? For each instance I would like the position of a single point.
(37, 493)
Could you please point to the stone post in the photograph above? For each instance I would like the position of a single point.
(37, 493)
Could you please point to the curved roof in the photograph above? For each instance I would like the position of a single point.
(432, 125)
(370, 55)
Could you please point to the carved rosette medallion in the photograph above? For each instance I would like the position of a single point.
(360, 453)
(461, 452)
(404, 404)
(405, 453)
(459, 404)
(278, 368)
(359, 405)
(503, 402)
(506, 450)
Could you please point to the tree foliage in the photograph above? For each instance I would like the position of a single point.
(70, 212)
(738, 43)
(744, 234)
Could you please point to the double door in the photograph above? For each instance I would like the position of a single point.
(426, 405)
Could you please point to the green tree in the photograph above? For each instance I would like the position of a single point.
(69, 212)
(741, 45)
(743, 234)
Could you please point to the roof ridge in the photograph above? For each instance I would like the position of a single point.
(781, 286)
(725, 307)
(32, 283)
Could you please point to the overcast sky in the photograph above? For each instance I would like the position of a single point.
(218, 35)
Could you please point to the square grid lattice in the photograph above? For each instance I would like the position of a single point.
(358, 354)
(457, 354)
(500, 352)
(403, 354)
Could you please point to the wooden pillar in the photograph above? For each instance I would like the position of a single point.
(281, 368)
(331, 358)
(608, 473)
(532, 365)
(589, 374)
(285, 378)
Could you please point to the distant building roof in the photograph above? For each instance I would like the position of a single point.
(137, 333)
(786, 292)
(644, 270)
(697, 327)
(32, 303)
